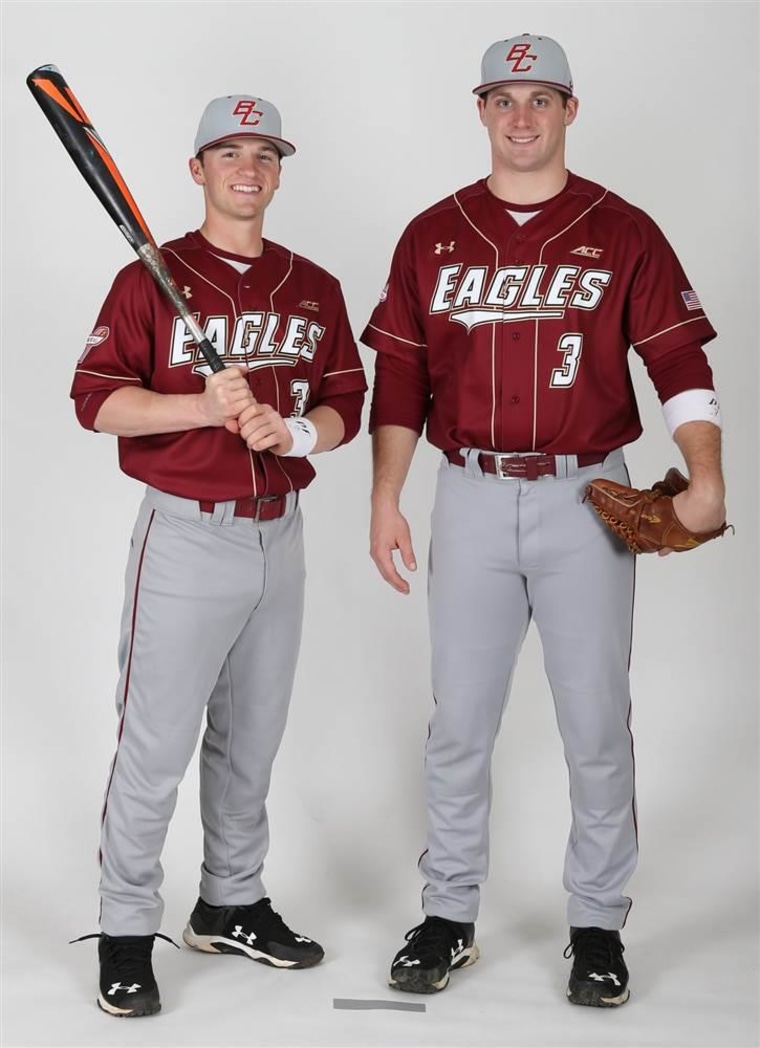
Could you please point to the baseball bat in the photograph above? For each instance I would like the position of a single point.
(88, 151)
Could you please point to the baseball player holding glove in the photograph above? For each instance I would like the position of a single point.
(505, 329)
(215, 579)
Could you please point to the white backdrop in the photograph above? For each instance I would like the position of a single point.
(377, 98)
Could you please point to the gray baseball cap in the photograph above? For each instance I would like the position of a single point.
(241, 116)
(525, 59)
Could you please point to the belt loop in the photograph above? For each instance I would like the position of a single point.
(472, 466)
(565, 466)
(223, 513)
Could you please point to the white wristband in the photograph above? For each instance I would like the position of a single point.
(693, 405)
(304, 434)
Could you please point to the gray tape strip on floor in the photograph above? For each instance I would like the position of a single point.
(356, 1004)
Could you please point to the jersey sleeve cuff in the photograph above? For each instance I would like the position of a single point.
(383, 341)
(87, 406)
(349, 407)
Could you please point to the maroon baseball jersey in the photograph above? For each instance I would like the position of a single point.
(513, 337)
(284, 319)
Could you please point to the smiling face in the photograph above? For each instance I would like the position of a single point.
(526, 126)
(239, 178)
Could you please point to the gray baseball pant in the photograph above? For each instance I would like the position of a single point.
(504, 552)
(211, 624)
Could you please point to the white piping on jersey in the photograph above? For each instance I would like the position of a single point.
(493, 329)
(666, 330)
(101, 374)
(205, 279)
(535, 337)
(348, 371)
(279, 465)
(253, 473)
(290, 270)
(277, 385)
(277, 394)
(398, 338)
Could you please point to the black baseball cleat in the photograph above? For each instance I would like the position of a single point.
(599, 977)
(255, 931)
(127, 984)
(434, 949)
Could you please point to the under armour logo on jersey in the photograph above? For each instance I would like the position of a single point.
(440, 248)
(238, 933)
(307, 304)
(601, 978)
(588, 252)
(407, 963)
(117, 986)
(518, 54)
(246, 111)
(187, 292)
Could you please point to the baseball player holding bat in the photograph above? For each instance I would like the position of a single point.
(505, 329)
(215, 579)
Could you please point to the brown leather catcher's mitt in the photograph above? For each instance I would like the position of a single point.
(645, 520)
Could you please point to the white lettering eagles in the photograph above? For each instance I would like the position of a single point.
(472, 299)
(252, 339)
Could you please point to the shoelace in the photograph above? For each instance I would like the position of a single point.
(265, 918)
(432, 939)
(128, 953)
(596, 949)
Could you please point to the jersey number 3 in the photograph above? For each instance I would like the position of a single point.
(299, 391)
(564, 376)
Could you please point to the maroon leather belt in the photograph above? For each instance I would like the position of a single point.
(522, 467)
(269, 507)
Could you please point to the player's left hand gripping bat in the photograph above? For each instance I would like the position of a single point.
(86, 148)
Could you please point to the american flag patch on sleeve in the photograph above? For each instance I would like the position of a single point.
(691, 300)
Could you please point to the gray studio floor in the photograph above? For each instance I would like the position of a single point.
(694, 983)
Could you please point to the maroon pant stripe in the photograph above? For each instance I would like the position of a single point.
(128, 670)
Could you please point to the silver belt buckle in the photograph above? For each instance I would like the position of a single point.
(501, 470)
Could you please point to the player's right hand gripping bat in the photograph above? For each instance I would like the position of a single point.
(86, 148)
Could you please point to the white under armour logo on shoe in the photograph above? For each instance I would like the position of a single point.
(302, 938)
(601, 978)
(456, 950)
(406, 962)
(117, 986)
(238, 933)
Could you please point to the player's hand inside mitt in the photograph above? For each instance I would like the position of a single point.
(646, 519)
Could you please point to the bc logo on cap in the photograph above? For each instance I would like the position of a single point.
(519, 53)
(245, 108)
